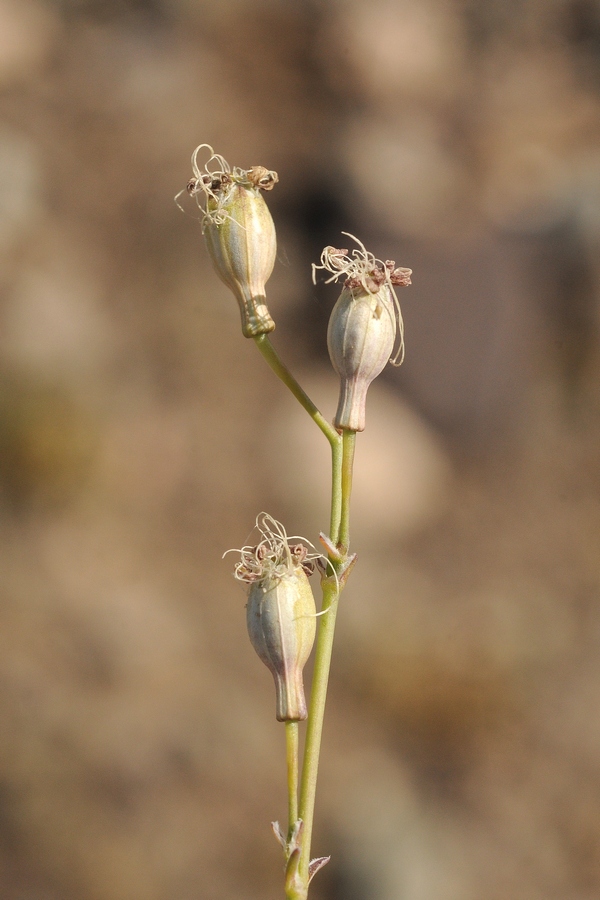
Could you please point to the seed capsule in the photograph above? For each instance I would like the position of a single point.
(360, 339)
(364, 326)
(239, 233)
(281, 615)
(282, 624)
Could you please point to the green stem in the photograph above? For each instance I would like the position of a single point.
(349, 443)
(268, 351)
(291, 746)
(340, 494)
(281, 370)
(337, 463)
(314, 731)
(270, 354)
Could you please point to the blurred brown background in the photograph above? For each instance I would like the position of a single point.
(140, 435)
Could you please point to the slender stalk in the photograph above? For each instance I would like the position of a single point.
(314, 731)
(349, 443)
(268, 351)
(281, 370)
(341, 489)
(337, 459)
(291, 746)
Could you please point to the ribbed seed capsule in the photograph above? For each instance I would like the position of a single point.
(239, 233)
(243, 249)
(360, 339)
(281, 615)
(282, 624)
(363, 327)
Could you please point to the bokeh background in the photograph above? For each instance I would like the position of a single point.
(140, 435)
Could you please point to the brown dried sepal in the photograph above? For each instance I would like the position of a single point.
(377, 276)
(299, 554)
(214, 183)
(400, 276)
(262, 178)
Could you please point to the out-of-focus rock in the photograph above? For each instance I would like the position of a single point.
(48, 443)
(55, 323)
(471, 341)
(407, 177)
(28, 30)
(408, 849)
(396, 52)
(401, 477)
(539, 127)
(147, 452)
(21, 178)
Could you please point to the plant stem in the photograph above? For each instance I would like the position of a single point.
(310, 764)
(342, 458)
(335, 439)
(349, 443)
(291, 746)
(337, 496)
(270, 354)
(340, 501)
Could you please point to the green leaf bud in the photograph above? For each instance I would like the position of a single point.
(239, 232)
(364, 326)
(281, 614)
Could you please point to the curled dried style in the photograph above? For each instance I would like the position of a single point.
(212, 186)
(273, 556)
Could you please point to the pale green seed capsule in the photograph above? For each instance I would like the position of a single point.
(239, 232)
(364, 326)
(282, 624)
(243, 249)
(360, 339)
(281, 613)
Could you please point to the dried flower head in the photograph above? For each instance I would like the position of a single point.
(276, 554)
(364, 273)
(239, 232)
(213, 185)
(364, 326)
(281, 614)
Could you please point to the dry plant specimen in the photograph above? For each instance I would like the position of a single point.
(365, 333)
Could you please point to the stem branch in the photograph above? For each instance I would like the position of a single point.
(281, 370)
